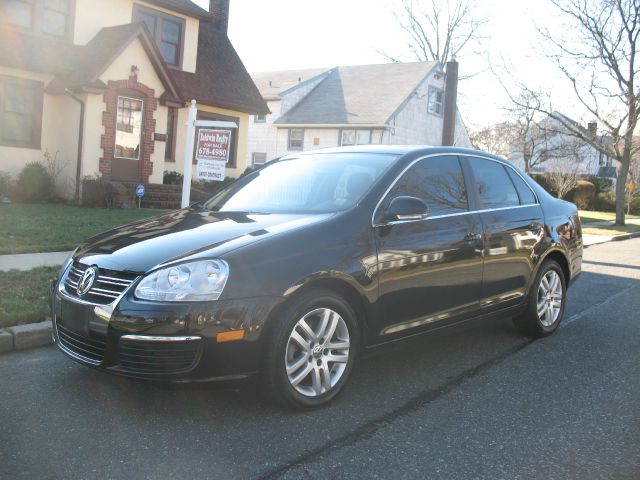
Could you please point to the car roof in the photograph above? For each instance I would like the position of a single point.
(393, 149)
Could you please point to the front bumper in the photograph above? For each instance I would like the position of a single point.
(164, 341)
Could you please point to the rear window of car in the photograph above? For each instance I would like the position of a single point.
(524, 191)
(493, 185)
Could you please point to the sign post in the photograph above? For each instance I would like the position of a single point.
(139, 192)
(212, 150)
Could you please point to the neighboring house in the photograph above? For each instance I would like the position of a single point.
(556, 150)
(393, 104)
(133, 65)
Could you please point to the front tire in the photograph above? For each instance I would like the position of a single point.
(547, 300)
(311, 350)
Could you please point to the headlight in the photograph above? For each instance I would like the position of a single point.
(188, 282)
(66, 263)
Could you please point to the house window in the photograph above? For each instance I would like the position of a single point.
(20, 112)
(259, 118)
(435, 100)
(128, 128)
(170, 146)
(47, 16)
(355, 137)
(54, 17)
(167, 30)
(19, 12)
(296, 138)
(258, 158)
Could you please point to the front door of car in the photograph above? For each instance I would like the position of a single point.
(513, 225)
(430, 270)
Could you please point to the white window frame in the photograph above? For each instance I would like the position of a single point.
(296, 148)
(260, 118)
(435, 107)
(355, 136)
(262, 155)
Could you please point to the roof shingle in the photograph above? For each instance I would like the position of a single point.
(362, 94)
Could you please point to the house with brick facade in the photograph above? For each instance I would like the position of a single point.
(394, 104)
(104, 86)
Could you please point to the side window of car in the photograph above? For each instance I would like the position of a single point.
(438, 181)
(524, 191)
(495, 188)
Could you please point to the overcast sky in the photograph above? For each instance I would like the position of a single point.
(292, 34)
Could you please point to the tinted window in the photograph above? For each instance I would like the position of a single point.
(439, 182)
(524, 191)
(495, 188)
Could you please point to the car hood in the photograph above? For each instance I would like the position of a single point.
(184, 234)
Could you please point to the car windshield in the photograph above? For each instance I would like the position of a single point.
(316, 183)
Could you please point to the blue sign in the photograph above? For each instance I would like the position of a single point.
(140, 190)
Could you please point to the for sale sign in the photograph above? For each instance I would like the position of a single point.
(210, 170)
(213, 145)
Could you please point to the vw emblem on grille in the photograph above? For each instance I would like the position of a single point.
(86, 281)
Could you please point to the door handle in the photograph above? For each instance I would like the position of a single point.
(471, 237)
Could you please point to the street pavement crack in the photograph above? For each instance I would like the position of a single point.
(370, 428)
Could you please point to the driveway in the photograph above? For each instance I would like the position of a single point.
(478, 401)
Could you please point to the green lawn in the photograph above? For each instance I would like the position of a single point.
(589, 216)
(52, 228)
(632, 223)
(25, 295)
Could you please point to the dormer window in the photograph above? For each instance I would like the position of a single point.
(52, 17)
(167, 30)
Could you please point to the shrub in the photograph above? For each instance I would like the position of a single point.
(6, 185)
(172, 178)
(35, 184)
(97, 192)
(604, 202)
(602, 185)
(583, 194)
(543, 181)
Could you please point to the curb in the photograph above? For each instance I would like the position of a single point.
(616, 238)
(22, 337)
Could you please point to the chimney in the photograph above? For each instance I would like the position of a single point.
(220, 11)
(450, 104)
(592, 127)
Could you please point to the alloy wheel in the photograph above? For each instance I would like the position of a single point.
(317, 352)
(549, 298)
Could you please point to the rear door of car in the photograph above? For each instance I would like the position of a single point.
(513, 228)
(430, 270)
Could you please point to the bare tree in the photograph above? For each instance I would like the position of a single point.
(596, 52)
(437, 29)
(563, 166)
(496, 139)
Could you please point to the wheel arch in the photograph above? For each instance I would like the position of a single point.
(559, 257)
(341, 287)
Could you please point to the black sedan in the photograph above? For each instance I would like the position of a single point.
(292, 271)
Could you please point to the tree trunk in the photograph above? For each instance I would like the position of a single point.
(621, 184)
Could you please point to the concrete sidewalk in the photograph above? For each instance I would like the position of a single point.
(27, 261)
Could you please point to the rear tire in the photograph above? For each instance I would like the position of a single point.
(547, 299)
(311, 350)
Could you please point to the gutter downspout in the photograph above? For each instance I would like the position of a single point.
(76, 196)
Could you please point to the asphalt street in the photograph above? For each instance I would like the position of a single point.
(476, 401)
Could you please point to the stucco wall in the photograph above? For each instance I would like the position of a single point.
(327, 137)
(93, 15)
(60, 116)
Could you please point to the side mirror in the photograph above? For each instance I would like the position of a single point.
(406, 208)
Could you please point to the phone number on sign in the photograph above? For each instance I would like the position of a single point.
(209, 152)
(211, 174)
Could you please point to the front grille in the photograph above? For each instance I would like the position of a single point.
(108, 285)
(166, 357)
(90, 348)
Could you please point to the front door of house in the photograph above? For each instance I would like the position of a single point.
(127, 155)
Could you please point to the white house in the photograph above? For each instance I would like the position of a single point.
(395, 104)
(553, 148)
